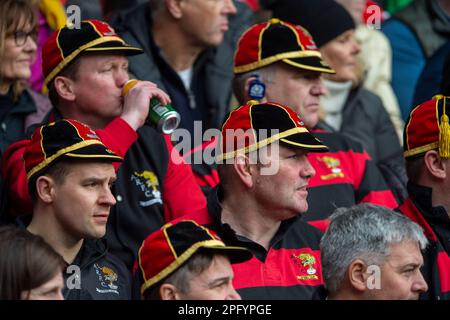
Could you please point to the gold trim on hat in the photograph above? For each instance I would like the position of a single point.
(178, 261)
(302, 144)
(263, 143)
(421, 149)
(75, 53)
(296, 34)
(95, 156)
(174, 253)
(61, 152)
(307, 67)
(260, 39)
(431, 146)
(266, 61)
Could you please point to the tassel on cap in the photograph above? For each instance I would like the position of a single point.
(444, 131)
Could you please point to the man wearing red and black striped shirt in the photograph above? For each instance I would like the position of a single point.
(264, 173)
(427, 153)
(277, 61)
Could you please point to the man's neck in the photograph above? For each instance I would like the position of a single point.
(43, 225)
(440, 198)
(176, 48)
(71, 111)
(249, 221)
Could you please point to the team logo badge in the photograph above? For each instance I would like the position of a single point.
(333, 165)
(107, 278)
(147, 182)
(308, 266)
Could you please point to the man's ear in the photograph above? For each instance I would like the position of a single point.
(244, 170)
(65, 88)
(168, 291)
(45, 189)
(175, 8)
(357, 275)
(435, 164)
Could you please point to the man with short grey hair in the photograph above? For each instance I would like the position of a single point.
(370, 253)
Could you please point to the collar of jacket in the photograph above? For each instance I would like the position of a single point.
(226, 232)
(24, 105)
(91, 250)
(436, 217)
(422, 197)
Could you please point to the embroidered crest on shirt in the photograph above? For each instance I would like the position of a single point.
(147, 182)
(107, 278)
(307, 264)
(332, 164)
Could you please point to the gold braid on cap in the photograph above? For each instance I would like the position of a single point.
(444, 132)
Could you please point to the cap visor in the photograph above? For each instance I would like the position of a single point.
(113, 46)
(235, 254)
(305, 141)
(95, 151)
(310, 63)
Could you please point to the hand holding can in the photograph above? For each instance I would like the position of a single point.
(164, 117)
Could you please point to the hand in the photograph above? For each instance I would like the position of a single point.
(137, 102)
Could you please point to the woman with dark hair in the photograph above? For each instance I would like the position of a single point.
(29, 268)
(19, 108)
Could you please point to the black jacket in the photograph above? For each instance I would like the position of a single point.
(436, 225)
(103, 276)
(213, 70)
(138, 189)
(290, 270)
(365, 119)
(345, 175)
(95, 274)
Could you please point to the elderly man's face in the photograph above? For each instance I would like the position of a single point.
(401, 278)
(204, 22)
(299, 89)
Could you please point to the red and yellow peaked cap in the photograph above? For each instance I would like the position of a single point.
(276, 40)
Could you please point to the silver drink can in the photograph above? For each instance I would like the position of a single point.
(164, 117)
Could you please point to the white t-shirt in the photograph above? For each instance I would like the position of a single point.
(186, 77)
(333, 102)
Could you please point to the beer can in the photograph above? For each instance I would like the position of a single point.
(164, 117)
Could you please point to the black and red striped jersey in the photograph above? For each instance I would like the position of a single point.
(290, 269)
(436, 225)
(345, 176)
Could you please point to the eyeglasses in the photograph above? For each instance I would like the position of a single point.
(20, 37)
